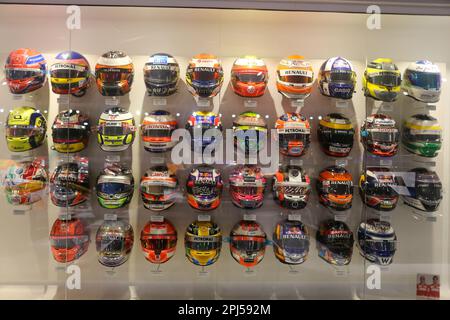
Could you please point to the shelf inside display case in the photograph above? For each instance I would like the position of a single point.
(144, 217)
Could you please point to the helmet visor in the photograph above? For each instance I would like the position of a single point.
(21, 131)
(161, 76)
(158, 190)
(342, 76)
(109, 130)
(334, 136)
(248, 191)
(380, 245)
(429, 191)
(205, 191)
(112, 245)
(204, 245)
(114, 188)
(248, 243)
(340, 188)
(80, 72)
(388, 79)
(294, 190)
(114, 75)
(251, 77)
(425, 80)
(67, 242)
(205, 74)
(21, 74)
(295, 246)
(67, 134)
(296, 79)
(341, 247)
(377, 189)
(386, 136)
(149, 131)
(159, 245)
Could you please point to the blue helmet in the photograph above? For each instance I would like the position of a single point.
(291, 242)
(199, 124)
(377, 241)
(337, 78)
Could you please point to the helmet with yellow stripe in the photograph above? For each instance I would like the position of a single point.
(116, 129)
(421, 135)
(382, 80)
(250, 130)
(203, 242)
(336, 134)
(295, 77)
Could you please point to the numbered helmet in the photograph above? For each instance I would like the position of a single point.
(156, 131)
(203, 242)
(204, 76)
(379, 135)
(426, 193)
(114, 186)
(291, 242)
(158, 241)
(25, 182)
(382, 80)
(25, 71)
(198, 124)
(116, 129)
(204, 188)
(69, 239)
(69, 183)
(377, 241)
(158, 188)
(248, 243)
(422, 81)
(337, 78)
(335, 242)
(294, 134)
(336, 133)
(247, 186)
(70, 74)
(291, 187)
(250, 132)
(70, 131)
(249, 76)
(161, 74)
(377, 186)
(114, 241)
(25, 129)
(114, 73)
(422, 135)
(295, 77)
(335, 188)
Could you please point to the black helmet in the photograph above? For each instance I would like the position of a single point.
(335, 242)
(336, 134)
(426, 194)
(161, 74)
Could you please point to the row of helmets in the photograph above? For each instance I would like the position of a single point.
(26, 71)
(379, 188)
(26, 129)
(376, 241)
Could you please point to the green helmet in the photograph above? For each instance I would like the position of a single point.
(422, 135)
(115, 186)
(250, 132)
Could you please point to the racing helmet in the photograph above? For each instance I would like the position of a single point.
(247, 186)
(377, 241)
(295, 77)
(204, 188)
(294, 134)
(114, 186)
(422, 81)
(291, 187)
(203, 242)
(26, 129)
(204, 76)
(70, 131)
(69, 239)
(158, 241)
(382, 80)
(70, 74)
(250, 132)
(198, 124)
(422, 135)
(114, 241)
(337, 78)
(156, 131)
(25, 71)
(249, 76)
(335, 242)
(426, 193)
(248, 243)
(114, 73)
(158, 188)
(69, 183)
(335, 188)
(161, 74)
(379, 135)
(377, 188)
(291, 242)
(25, 182)
(116, 129)
(336, 133)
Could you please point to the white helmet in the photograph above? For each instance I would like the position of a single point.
(116, 129)
(422, 81)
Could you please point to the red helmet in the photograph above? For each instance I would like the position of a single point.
(248, 243)
(25, 70)
(249, 76)
(159, 241)
(379, 135)
(68, 239)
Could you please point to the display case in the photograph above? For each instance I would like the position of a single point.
(99, 203)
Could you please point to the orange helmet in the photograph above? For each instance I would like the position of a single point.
(159, 241)
(294, 134)
(249, 76)
(295, 77)
(68, 239)
(114, 73)
(335, 188)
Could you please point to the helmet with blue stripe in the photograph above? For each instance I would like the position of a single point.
(337, 78)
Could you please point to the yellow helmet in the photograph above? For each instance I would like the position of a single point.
(382, 80)
(25, 129)
(203, 241)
